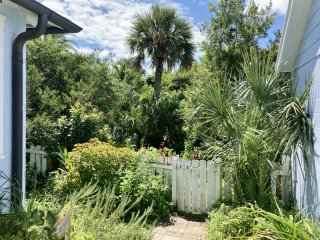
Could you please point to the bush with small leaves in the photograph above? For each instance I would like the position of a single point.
(94, 161)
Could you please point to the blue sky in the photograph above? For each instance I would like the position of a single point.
(106, 23)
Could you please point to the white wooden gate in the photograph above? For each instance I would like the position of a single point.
(38, 158)
(195, 184)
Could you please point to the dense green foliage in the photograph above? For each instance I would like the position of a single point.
(119, 168)
(59, 79)
(92, 97)
(250, 123)
(94, 215)
(156, 195)
(72, 97)
(93, 161)
(235, 25)
(250, 222)
(85, 122)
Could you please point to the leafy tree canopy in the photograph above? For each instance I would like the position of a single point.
(234, 26)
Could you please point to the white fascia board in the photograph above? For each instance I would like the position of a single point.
(31, 18)
(297, 16)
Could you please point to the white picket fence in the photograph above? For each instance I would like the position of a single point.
(37, 158)
(196, 184)
(281, 180)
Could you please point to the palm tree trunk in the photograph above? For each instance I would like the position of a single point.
(157, 78)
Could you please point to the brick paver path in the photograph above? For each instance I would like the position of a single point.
(179, 228)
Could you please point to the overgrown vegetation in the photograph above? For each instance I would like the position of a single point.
(250, 123)
(231, 105)
(95, 214)
(252, 222)
(119, 168)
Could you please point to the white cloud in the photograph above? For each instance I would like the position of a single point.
(106, 23)
(280, 6)
(200, 2)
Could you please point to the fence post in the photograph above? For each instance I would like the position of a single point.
(203, 186)
(44, 162)
(217, 179)
(195, 185)
(180, 186)
(32, 156)
(188, 186)
(286, 180)
(174, 180)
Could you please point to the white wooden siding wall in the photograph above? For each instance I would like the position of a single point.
(305, 183)
(2, 23)
(15, 23)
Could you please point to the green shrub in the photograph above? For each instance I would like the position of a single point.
(228, 223)
(93, 161)
(35, 223)
(35, 181)
(138, 182)
(251, 222)
(85, 122)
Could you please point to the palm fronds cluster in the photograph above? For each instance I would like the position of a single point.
(250, 122)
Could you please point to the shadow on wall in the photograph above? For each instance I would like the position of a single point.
(305, 175)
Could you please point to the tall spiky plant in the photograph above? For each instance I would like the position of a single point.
(250, 123)
(164, 37)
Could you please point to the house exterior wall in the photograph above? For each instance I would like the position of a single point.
(306, 174)
(15, 23)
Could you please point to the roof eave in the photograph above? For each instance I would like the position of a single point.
(297, 16)
(66, 25)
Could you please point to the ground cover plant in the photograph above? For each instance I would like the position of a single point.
(94, 215)
(252, 222)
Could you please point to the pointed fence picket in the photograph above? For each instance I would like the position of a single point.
(37, 158)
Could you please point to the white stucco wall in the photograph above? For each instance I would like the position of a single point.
(15, 23)
(306, 184)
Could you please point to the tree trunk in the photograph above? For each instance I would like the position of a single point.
(157, 78)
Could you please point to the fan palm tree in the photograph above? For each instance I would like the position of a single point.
(164, 37)
(250, 123)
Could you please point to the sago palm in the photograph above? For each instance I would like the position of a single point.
(164, 37)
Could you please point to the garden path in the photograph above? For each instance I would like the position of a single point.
(180, 228)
